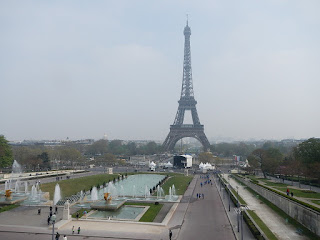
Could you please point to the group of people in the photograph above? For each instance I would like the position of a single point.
(50, 214)
(199, 195)
(58, 236)
(79, 229)
(289, 193)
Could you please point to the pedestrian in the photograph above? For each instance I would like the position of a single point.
(57, 236)
(77, 215)
(291, 194)
(39, 211)
(197, 195)
(56, 209)
(170, 234)
(50, 214)
(48, 220)
(78, 230)
(288, 191)
(202, 196)
(72, 229)
(50, 208)
(65, 237)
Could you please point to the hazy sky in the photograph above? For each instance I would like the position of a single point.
(82, 69)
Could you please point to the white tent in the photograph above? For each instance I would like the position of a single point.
(168, 165)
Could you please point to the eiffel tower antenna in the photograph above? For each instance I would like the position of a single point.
(187, 102)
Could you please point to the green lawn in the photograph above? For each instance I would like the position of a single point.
(75, 185)
(180, 182)
(8, 207)
(316, 201)
(151, 213)
(300, 193)
(262, 225)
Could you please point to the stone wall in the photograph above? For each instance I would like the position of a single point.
(306, 216)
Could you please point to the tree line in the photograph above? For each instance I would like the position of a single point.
(270, 157)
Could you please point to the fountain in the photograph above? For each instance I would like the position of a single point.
(173, 190)
(170, 193)
(160, 192)
(16, 169)
(57, 194)
(17, 186)
(146, 192)
(25, 187)
(94, 194)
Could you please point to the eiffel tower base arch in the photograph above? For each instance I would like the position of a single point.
(178, 132)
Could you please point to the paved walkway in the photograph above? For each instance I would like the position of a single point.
(279, 227)
(205, 218)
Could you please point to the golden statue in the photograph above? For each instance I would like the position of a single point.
(107, 197)
(8, 194)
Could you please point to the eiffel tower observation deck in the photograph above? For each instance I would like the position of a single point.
(187, 102)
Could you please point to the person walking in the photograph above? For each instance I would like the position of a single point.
(39, 211)
(78, 230)
(77, 215)
(288, 191)
(72, 229)
(197, 195)
(65, 237)
(56, 209)
(170, 234)
(57, 236)
(48, 220)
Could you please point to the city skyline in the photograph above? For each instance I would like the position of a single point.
(81, 70)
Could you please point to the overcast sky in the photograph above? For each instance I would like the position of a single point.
(82, 69)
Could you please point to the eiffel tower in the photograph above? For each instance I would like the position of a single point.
(187, 102)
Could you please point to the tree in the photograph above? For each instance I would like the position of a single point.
(45, 162)
(206, 157)
(308, 153)
(269, 160)
(6, 156)
(98, 147)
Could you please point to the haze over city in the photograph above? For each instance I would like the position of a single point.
(84, 69)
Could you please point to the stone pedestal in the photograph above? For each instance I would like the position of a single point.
(66, 211)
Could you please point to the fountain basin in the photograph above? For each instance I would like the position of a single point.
(13, 200)
(104, 205)
(128, 212)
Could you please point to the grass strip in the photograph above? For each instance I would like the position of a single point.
(151, 213)
(8, 207)
(180, 182)
(262, 225)
(81, 212)
(316, 201)
(73, 186)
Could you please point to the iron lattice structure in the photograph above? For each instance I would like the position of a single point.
(187, 102)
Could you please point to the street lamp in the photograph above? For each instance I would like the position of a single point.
(53, 220)
(229, 190)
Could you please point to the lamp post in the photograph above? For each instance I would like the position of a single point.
(53, 220)
(229, 195)
(241, 216)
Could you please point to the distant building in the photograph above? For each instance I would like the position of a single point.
(182, 161)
